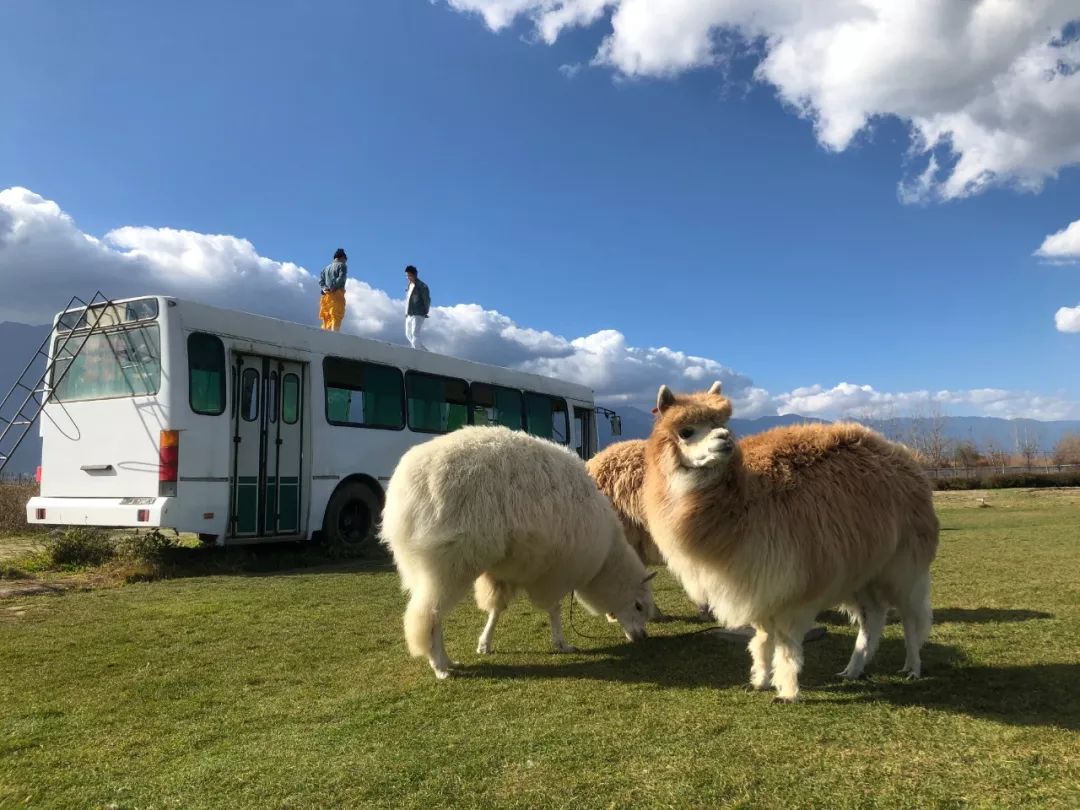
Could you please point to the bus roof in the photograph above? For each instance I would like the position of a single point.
(297, 337)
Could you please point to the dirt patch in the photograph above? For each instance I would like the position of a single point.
(14, 588)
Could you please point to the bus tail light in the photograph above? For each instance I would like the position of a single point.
(37, 474)
(143, 516)
(168, 462)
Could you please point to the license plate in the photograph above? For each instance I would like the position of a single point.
(137, 501)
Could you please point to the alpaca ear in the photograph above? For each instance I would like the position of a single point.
(648, 577)
(664, 399)
(717, 387)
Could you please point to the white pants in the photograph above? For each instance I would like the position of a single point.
(413, 325)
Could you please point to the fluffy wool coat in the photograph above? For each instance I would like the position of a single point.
(504, 510)
(785, 523)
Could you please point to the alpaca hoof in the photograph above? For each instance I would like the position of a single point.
(483, 648)
(787, 701)
(565, 648)
(847, 676)
(442, 674)
(911, 676)
(753, 687)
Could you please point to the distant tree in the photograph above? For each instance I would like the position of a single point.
(966, 456)
(1067, 450)
(928, 436)
(997, 455)
(1027, 446)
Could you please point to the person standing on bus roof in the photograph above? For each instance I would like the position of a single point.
(417, 306)
(332, 286)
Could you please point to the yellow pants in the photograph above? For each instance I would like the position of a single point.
(332, 309)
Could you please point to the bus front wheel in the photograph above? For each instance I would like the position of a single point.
(351, 519)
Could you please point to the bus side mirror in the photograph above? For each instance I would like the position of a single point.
(616, 424)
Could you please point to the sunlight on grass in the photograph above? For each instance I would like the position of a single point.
(294, 690)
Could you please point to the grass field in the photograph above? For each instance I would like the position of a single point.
(294, 690)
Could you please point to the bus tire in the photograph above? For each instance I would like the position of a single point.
(351, 521)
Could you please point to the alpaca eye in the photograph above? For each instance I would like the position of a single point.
(686, 433)
(639, 607)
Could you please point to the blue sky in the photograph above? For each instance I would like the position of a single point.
(691, 210)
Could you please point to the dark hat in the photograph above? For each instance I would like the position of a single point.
(340, 254)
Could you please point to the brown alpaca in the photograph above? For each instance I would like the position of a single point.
(787, 523)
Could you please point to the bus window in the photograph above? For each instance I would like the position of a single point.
(206, 374)
(290, 399)
(249, 395)
(363, 394)
(436, 404)
(495, 405)
(119, 363)
(547, 417)
(583, 430)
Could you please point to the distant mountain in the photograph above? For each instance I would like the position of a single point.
(18, 342)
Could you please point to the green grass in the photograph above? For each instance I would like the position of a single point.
(294, 690)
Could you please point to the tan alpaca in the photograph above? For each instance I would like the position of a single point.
(789, 522)
(619, 471)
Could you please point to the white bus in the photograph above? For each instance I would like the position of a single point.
(243, 428)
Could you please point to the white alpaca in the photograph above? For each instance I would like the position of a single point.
(505, 510)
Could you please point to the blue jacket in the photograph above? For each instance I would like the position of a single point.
(333, 276)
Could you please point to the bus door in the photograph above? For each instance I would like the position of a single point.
(268, 448)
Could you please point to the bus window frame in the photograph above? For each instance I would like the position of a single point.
(430, 375)
(326, 399)
(566, 411)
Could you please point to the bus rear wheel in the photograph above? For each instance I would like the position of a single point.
(351, 519)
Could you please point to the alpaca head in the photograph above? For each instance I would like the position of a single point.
(694, 429)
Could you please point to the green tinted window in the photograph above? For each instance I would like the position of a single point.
(116, 363)
(547, 417)
(495, 405)
(206, 374)
(436, 404)
(363, 394)
(290, 399)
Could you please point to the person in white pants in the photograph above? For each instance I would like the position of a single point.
(417, 306)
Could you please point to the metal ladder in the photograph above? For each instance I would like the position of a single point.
(35, 390)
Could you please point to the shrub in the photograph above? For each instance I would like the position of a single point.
(1025, 480)
(80, 546)
(13, 498)
(150, 546)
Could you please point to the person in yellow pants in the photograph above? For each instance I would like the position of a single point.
(332, 286)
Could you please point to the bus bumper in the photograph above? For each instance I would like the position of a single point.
(126, 512)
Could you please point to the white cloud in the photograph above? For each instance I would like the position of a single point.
(990, 90)
(1067, 319)
(1063, 246)
(43, 255)
(847, 400)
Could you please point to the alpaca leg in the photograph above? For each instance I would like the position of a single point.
(558, 640)
(917, 616)
(439, 660)
(762, 648)
(788, 659)
(494, 597)
(423, 624)
(871, 619)
(484, 646)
